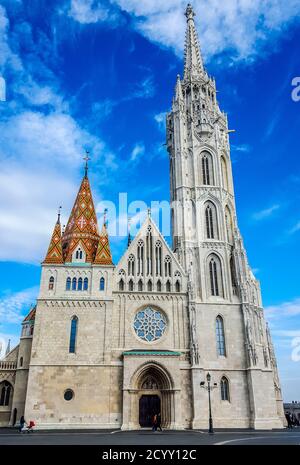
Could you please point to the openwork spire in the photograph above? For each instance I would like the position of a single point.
(103, 254)
(193, 64)
(54, 253)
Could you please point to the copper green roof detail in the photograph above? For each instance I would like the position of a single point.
(152, 352)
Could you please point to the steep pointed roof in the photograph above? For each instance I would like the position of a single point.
(54, 253)
(82, 227)
(103, 254)
(193, 63)
(31, 315)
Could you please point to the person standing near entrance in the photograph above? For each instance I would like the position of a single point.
(158, 424)
(154, 423)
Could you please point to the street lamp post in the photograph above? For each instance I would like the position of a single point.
(209, 388)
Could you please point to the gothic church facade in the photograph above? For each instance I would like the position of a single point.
(109, 345)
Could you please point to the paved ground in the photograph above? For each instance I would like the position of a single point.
(145, 437)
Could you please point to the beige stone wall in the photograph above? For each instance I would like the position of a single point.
(97, 397)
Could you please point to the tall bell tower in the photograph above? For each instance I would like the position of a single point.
(203, 214)
(224, 296)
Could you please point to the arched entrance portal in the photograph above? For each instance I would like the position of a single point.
(154, 394)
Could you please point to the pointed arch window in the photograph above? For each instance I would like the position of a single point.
(73, 335)
(220, 336)
(224, 387)
(158, 286)
(211, 221)
(158, 258)
(51, 283)
(130, 285)
(79, 286)
(85, 284)
(5, 393)
(74, 284)
(140, 285)
(140, 258)
(68, 284)
(224, 173)
(207, 168)
(149, 257)
(233, 275)
(215, 276)
(121, 285)
(168, 269)
(21, 361)
(168, 286)
(177, 286)
(229, 225)
(149, 285)
(102, 284)
(131, 263)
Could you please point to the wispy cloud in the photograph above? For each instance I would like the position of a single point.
(137, 152)
(160, 119)
(41, 145)
(241, 28)
(266, 213)
(285, 309)
(295, 229)
(13, 306)
(241, 148)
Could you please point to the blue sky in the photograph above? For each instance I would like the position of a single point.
(100, 75)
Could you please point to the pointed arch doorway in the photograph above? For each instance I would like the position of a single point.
(154, 395)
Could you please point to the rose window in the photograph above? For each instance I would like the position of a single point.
(149, 324)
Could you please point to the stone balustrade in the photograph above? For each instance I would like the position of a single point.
(4, 365)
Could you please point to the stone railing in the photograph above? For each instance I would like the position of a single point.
(8, 365)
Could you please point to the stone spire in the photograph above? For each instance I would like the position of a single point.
(82, 227)
(54, 253)
(103, 254)
(193, 63)
(178, 89)
(8, 347)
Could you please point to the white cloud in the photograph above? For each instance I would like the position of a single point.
(137, 152)
(286, 309)
(286, 333)
(91, 11)
(14, 306)
(266, 213)
(241, 148)
(41, 149)
(240, 26)
(160, 118)
(295, 229)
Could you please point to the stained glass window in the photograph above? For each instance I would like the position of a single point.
(149, 324)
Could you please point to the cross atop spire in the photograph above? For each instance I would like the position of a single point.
(86, 158)
(193, 64)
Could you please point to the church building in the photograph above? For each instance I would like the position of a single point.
(108, 345)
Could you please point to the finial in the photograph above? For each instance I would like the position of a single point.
(189, 12)
(104, 216)
(8, 347)
(58, 215)
(63, 228)
(86, 158)
(149, 212)
(128, 229)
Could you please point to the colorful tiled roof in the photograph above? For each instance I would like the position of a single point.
(31, 315)
(103, 255)
(54, 254)
(82, 227)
